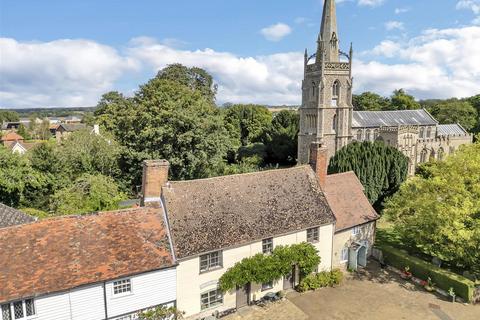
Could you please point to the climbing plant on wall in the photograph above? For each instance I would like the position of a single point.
(380, 168)
(263, 268)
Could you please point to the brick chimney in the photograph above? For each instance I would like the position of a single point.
(155, 176)
(319, 162)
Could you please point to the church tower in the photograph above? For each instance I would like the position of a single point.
(326, 110)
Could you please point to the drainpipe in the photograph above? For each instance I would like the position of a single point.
(105, 299)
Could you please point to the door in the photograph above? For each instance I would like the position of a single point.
(289, 280)
(243, 296)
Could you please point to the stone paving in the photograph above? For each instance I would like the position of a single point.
(373, 294)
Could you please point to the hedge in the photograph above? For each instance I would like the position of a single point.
(421, 269)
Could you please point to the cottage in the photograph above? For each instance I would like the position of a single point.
(107, 265)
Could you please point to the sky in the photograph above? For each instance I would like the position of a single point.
(65, 53)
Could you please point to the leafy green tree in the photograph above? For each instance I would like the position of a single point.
(369, 101)
(438, 213)
(455, 111)
(8, 116)
(475, 102)
(282, 138)
(23, 131)
(167, 119)
(161, 313)
(249, 121)
(89, 193)
(18, 180)
(380, 168)
(400, 100)
(194, 78)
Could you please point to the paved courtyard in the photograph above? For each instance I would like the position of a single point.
(374, 294)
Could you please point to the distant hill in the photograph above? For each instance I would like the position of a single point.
(51, 112)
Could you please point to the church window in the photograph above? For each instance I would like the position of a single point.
(375, 134)
(429, 132)
(334, 123)
(335, 93)
(359, 135)
(422, 132)
(367, 135)
(423, 156)
(313, 89)
(441, 154)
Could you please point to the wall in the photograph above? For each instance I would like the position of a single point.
(191, 284)
(345, 238)
(87, 302)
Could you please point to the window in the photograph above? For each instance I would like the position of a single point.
(267, 285)
(313, 89)
(211, 299)
(359, 135)
(422, 132)
(355, 231)
(22, 309)
(122, 287)
(211, 261)
(267, 245)
(312, 235)
(344, 256)
(336, 89)
(429, 132)
(367, 135)
(334, 123)
(375, 134)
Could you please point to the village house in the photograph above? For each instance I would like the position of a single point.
(11, 217)
(16, 143)
(107, 265)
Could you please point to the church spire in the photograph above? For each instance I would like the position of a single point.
(328, 31)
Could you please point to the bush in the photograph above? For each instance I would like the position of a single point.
(421, 269)
(320, 280)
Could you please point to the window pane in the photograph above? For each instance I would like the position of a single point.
(6, 312)
(18, 309)
(122, 286)
(29, 307)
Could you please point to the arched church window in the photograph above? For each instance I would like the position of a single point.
(433, 156)
(422, 133)
(335, 93)
(441, 154)
(375, 134)
(429, 132)
(367, 135)
(313, 89)
(334, 123)
(359, 135)
(423, 156)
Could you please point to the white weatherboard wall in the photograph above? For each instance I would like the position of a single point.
(87, 302)
(148, 289)
(191, 284)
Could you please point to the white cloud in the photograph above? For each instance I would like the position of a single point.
(394, 25)
(473, 5)
(438, 63)
(370, 3)
(57, 73)
(276, 32)
(401, 10)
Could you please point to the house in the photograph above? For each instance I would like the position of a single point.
(216, 222)
(11, 217)
(64, 130)
(355, 220)
(15, 142)
(72, 119)
(11, 136)
(107, 265)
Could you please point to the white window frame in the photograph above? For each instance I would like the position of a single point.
(267, 246)
(314, 230)
(209, 259)
(344, 251)
(356, 231)
(267, 286)
(24, 309)
(122, 294)
(210, 306)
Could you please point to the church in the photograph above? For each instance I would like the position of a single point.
(327, 115)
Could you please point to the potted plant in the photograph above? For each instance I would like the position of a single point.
(430, 285)
(406, 274)
(452, 294)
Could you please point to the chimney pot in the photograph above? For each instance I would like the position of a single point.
(155, 176)
(319, 162)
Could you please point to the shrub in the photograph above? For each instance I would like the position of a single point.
(421, 269)
(320, 280)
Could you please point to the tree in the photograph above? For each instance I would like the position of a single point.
(250, 122)
(369, 101)
(282, 138)
(455, 111)
(18, 180)
(170, 120)
(438, 213)
(400, 100)
(380, 168)
(22, 130)
(193, 78)
(8, 116)
(89, 193)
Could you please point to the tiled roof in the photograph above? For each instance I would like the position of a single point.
(222, 212)
(71, 127)
(349, 204)
(11, 136)
(58, 254)
(10, 216)
(373, 119)
(450, 130)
